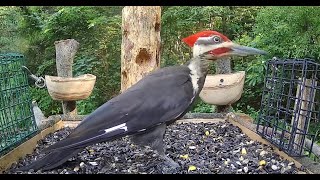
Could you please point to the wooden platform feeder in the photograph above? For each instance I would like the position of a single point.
(240, 120)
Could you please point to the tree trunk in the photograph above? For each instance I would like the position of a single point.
(223, 66)
(65, 53)
(140, 48)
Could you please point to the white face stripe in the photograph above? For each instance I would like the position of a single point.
(201, 48)
(121, 126)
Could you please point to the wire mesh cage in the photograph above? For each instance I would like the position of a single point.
(16, 116)
(290, 102)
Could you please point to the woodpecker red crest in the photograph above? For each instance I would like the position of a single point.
(190, 40)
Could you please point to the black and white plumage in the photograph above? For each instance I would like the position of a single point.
(145, 109)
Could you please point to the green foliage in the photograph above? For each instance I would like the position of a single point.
(314, 128)
(202, 107)
(289, 32)
(9, 22)
(251, 111)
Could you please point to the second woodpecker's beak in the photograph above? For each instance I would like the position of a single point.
(232, 49)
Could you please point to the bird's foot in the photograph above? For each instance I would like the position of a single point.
(169, 166)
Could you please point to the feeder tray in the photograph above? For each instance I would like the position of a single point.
(223, 89)
(70, 89)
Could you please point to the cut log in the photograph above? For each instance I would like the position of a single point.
(140, 48)
(65, 53)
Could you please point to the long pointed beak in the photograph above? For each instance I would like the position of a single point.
(233, 49)
(245, 50)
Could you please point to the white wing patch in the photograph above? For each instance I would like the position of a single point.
(106, 131)
(121, 126)
(141, 130)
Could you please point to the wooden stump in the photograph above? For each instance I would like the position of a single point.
(303, 110)
(223, 66)
(140, 48)
(65, 53)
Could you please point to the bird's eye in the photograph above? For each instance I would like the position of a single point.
(216, 39)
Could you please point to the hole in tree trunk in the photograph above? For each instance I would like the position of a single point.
(157, 27)
(124, 73)
(125, 33)
(143, 56)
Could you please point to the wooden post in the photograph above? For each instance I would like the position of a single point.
(65, 53)
(140, 48)
(223, 66)
(306, 98)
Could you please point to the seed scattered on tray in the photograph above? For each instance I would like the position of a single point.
(199, 148)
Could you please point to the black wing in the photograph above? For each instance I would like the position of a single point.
(160, 97)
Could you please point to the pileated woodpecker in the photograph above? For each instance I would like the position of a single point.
(145, 109)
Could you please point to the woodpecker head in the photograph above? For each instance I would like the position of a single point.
(216, 45)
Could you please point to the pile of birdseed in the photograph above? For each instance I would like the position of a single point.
(199, 148)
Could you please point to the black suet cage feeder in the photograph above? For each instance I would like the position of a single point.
(290, 102)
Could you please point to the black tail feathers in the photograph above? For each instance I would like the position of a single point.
(51, 160)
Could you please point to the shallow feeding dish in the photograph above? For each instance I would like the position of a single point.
(70, 89)
(223, 89)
